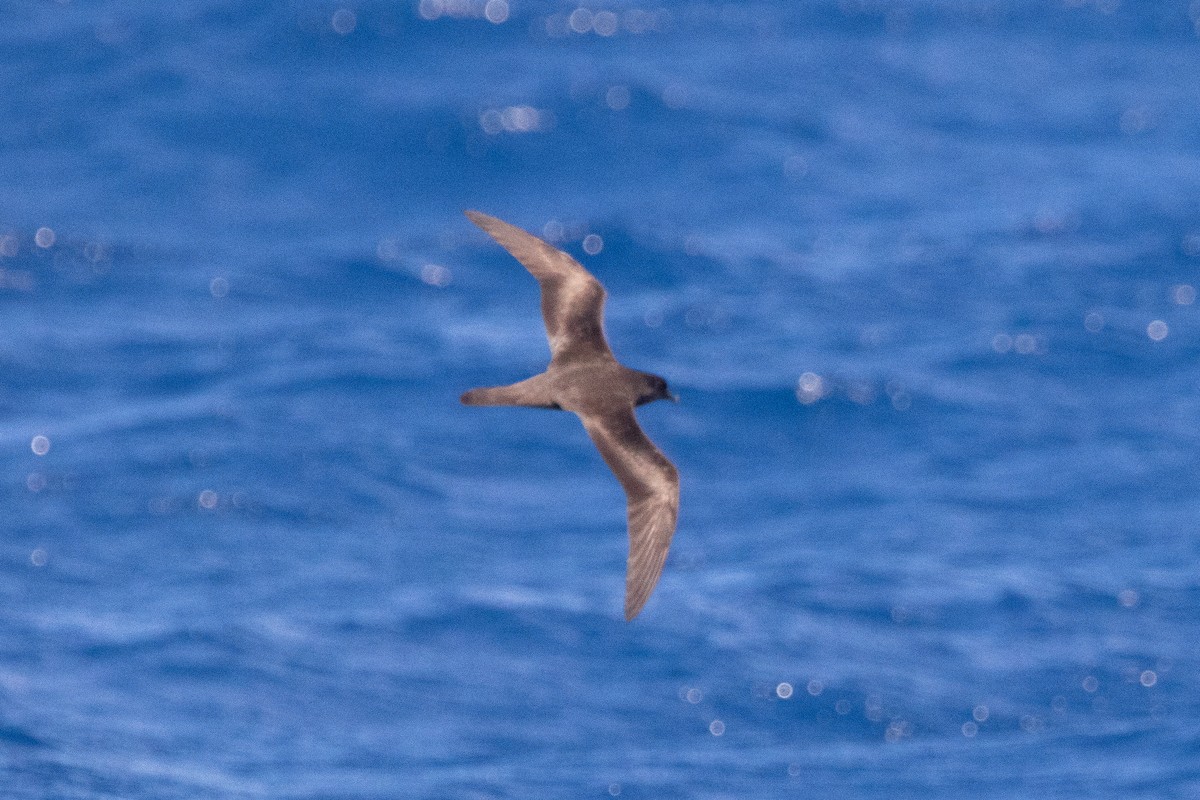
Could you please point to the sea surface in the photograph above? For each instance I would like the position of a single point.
(923, 273)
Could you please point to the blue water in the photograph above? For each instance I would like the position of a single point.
(923, 273)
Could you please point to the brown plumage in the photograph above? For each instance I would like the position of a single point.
(584, 377)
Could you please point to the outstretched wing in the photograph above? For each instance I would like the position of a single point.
(572, 300)
(651, 485)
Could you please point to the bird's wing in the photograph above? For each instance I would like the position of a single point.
(572, 299)
(651, 485)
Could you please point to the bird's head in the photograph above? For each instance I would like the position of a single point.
(654, 388)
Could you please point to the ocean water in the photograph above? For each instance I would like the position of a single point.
(922, 272)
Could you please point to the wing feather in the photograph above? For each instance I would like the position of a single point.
(651, 485)
(572, 298)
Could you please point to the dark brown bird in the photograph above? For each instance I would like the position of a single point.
(584, 377)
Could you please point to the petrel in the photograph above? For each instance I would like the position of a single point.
(584, 377)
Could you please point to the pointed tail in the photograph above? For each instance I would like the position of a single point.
(532, 393)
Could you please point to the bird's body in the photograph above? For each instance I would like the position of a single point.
(584, 377)
(598, 386)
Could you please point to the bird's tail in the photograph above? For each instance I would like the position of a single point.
(533, 393)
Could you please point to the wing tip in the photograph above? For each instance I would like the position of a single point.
(485, 221)
(631, 610)
(635, 601)
(498, 229)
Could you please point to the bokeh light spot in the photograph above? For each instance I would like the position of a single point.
(40, 445)
(605, 23)
(44, 238)
(519, 119)
(1157, 330)
(1191, 242)
(344, 21)
(491, 122)
(784, 690)
(896, 730)
(873, 707)
(592, 244)
(436, 275)
(810, 388)
(861, 392)
(580, 20)
(618, 97)
(496, 11)
(515, 119)
(1136, 120)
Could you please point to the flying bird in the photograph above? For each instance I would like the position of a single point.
(585, 378)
